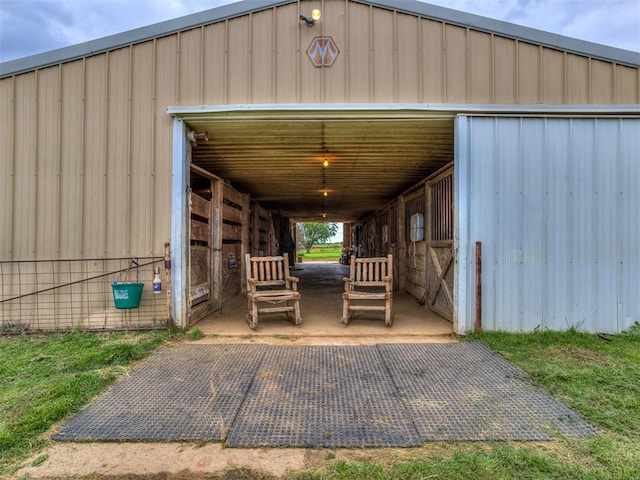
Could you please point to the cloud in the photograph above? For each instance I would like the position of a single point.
(609, 22)
(24, 31)
(28, 27)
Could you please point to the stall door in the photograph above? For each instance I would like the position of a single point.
(199, 251)
(440, 245)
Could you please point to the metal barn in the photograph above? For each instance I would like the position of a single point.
(187, 144)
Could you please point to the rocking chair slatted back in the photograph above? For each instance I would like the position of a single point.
(368, 272)
(371, 271)
(265, 271)
(263, 274)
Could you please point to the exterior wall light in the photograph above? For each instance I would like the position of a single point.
(197, 137)
(313, 18)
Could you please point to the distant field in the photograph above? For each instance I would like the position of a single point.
(329, 251)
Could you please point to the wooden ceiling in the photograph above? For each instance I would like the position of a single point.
(278, 159)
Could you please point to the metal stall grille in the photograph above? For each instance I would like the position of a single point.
(442, 209)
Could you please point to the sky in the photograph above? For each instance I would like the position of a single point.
(28, 27)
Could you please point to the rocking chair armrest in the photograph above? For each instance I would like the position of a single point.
(293, 283)
(349, 285)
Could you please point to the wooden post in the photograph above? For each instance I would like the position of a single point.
(167, 273)
(478, 287)
(401, 254)
(217, 268)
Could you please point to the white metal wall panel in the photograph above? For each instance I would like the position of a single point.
(555, 204)
(628, 216)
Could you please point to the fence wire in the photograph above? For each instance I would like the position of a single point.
(62, 295)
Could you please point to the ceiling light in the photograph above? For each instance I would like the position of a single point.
(326, 162)
(313, 18)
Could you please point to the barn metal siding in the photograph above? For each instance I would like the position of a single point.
(86, 163)
(555, 204)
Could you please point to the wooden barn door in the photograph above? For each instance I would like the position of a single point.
(219, 232)
(199, 249)
(440, 244)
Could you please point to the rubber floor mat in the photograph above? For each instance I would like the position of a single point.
(188, 392)
(327, 396)
(394, 395)
(463, 391)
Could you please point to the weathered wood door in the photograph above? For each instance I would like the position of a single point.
(199, 249)
(440, 244)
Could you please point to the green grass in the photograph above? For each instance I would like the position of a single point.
(43, 379)
(597, 375)
(195, 334)
(330, 251)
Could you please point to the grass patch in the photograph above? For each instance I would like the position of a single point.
(44, 379)
(599, 378)
(327, 252)
(195, 334)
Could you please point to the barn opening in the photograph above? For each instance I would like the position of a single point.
(381, 173)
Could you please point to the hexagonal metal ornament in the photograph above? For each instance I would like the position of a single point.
(322, 52)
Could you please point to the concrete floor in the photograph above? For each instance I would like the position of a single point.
(321, 289)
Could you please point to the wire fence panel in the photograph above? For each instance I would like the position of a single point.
(62, 295)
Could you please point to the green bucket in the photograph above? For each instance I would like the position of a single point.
(127, 294)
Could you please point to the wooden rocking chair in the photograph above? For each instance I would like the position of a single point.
(269, 282)
(366, 277)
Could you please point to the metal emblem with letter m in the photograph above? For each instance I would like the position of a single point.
(322, 52)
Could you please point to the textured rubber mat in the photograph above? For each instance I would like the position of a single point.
(323, 397)
(464, 391)
(394, 395)
(189, 392)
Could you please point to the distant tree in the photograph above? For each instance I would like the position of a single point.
(312, 233)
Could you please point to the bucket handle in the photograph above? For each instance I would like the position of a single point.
(133, 263)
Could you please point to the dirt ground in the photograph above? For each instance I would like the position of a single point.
(191, 460)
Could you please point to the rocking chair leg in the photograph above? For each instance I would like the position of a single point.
(252, 317)
(296, 310)
(345, 312)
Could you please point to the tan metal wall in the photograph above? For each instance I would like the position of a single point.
(86, 145)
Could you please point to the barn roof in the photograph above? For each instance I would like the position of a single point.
(237, 9)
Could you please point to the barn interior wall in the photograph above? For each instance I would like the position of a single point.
(410, 257)
(238, 225)
(422, 263)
